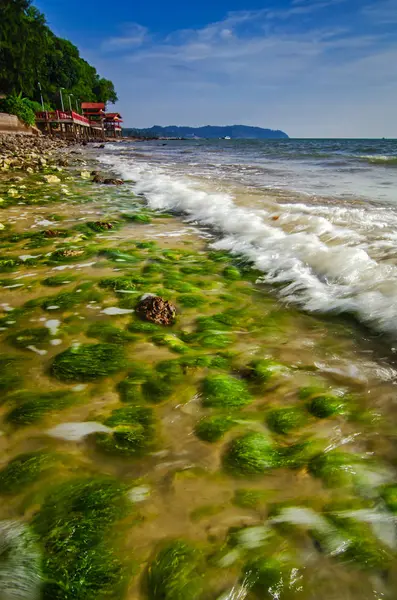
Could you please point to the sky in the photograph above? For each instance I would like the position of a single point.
(312, 68)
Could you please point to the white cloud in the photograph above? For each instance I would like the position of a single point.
(133, 36)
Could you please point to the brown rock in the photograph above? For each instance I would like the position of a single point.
(113, 181)
(104, 225)
(72, 252)
(51, 233)
(157, 310)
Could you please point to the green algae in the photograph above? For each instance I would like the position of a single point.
(264, 575)
(24, 470)
(110, 334)
(120, 283)
(58, 280)
(191, 300)
(174, 574)
(74, 526)
(8, 264)
(88, 362)
(141, 218)
(335, 468)
(264, 370)
(30, 337)
(224, 391)
(157, 389)
(32, 406)
(251, 454)
(389, 495)
(231, 273)
(138, 326)
(11, 368)
(325, 406)
(284, 420)
(133, 433)
(171, 341)
(212, 429)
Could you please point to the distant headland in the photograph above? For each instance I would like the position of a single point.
(209, 132)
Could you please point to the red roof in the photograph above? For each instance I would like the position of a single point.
(99, 105)
(113, 115)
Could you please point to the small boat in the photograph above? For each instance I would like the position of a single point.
(227, 138)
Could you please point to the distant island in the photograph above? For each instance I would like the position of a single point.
(235, 132)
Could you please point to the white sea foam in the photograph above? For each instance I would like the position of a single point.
(329, 258)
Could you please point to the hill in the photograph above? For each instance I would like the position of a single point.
(209, 132)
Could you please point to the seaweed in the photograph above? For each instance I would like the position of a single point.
(389, 495)
(191, 300)
(110, 334)
(325, 406)
(223, 391)
(58, 280)
(88, 362)
(120, 283)
(74, 525)
(249, 498)
(284, 420)
(23, 470)
(133, 433)
(10, 373)
(31, 406)
(29, 337)
(212, 429)
(174, 574)
(157, 389)
(263, 370)
(251, 454)
(335, 468)
(231, 273)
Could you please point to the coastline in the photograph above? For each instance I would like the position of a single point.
(156, 415)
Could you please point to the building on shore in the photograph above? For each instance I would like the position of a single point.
(113, 125)
(93, 123)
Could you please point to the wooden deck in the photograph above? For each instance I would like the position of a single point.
(69, 124)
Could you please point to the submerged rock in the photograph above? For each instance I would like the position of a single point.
(157, 310)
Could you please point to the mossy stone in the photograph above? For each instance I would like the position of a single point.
(191, 300)
(10, 373)
(249, 498)
(23, 470)
(326, 406)
(231, 273)
(30, 337)
(224, 391)
(212, 429)
(174, 574)
(31, 406)
(119, 283)
(88, 362)
(263, 370)
(389, 495)
(265, 575)
(251, 454)
(141, 218)
(110, 334)
(284, 420)
(58, 280)
(157, 389)
(335, 468)
(74, 526)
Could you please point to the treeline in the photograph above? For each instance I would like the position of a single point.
(31, 53)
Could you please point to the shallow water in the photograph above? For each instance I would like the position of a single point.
(178, 486)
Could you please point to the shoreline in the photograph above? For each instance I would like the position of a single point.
(196, 437)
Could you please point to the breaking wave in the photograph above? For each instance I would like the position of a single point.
(322, 258)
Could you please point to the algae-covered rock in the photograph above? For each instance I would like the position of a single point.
(284, 420)
(157, 389)
(212, 429)
(389, 495)
(263, 370)
(335, 468)
(10, 373)
(23, 470)
(30, 337)
(32, 406)
(231, 273)
(88, 362)
(74, 525)
(270, 578)
(133, 431)
(191, 300)
(110, 334)
(249, 498)
(157, 310)
(58, 280)
(20, 562)
(326, 405)
(175, 573)
(223, 391)
(251, 454)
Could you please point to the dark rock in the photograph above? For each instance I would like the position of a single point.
(101, 146)
(157, 310)
(98, 179)
(113, 181)
(51, 233)
(103, 225)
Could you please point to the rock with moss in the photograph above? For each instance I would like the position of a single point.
(251, 454)
(75, 526)
(175, 573)
(123, 283)
(231, 273)
(133, 433)
(11, 369)
(389, 495)
(88, 362)
(264, 370)
(212, 429)
(110, 334)
(264, 575)
(298, 455)
(21, 562)
(326, 405)
(191, 300)
(335, 468)
(58, 280)
(23, 470)
(143, 327)
(224, 391)
(24, 338)
(32, 406)
(157, 389)
(140, 218)
(285, 420)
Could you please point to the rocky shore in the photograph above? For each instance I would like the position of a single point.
(31, 153)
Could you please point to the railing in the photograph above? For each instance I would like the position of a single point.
(59, 115)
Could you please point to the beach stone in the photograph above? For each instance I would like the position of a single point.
(157, 310)
(111, 181)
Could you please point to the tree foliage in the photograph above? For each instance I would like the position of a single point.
(31, 53)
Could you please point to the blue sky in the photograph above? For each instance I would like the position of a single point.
(314, 68)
